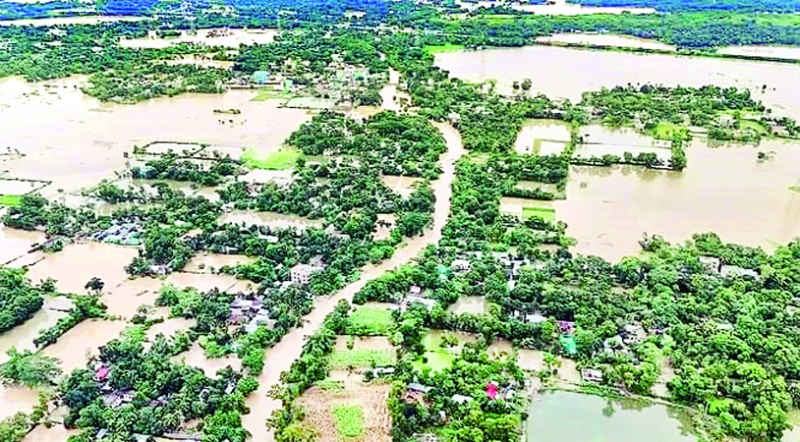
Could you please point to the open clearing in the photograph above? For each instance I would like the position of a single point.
(365, 352)
(356, 413)
(370, 321)
(280, 160)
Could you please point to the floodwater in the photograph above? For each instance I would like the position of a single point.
(401, 185)
(205, 282)
(169, 327)
(745, 202)
(230, 38)
(78, 20)
(600, 140)
(74, 266)
(543, 137)
(196, 358)
(75, 347)
(16, 400)
(566, 74)
(124, 299)
(561, 416)
(516, 206)
(767, 51)
(270, 219)
(21, 337)
(607, 40)
(364, 343)
(279, 358)
(476, 305)
(15, 243)
(75, 140)
(559, 7)
(793, 419)
(209, 263)
(56, 433)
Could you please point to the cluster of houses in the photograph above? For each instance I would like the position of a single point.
(128, 234)
(416, 393)
(250, 313)
(717, 266)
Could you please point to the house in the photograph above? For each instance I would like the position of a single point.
(419, 388)
(727, 120)
(734, 271)
(415, 290)
(633, 334)
(382, 371)
(591, 375)
(102, 373)
(492, 390)
(461, 265)
(535, 318)
(301, 273)
(460, 399)
(509, 393)
(712, 264)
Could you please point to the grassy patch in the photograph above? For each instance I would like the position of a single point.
(11, 200)
(546, 213)
(329, 385)
(754, 125)
(366, 321)
(361, 358)
(440, 49)
(265, 94)
(280, 160)
(436, 360)
(349, 421)
(666, 130)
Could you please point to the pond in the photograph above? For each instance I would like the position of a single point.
(560, 416)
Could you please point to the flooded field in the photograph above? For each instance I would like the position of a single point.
(56, 433)
(15, 243)
(16, 400)
(758, 208)
(273, 220)
(74, 266)
(205, 282)
(524, 208)
(124, 299)
(21, 337)
(560, 416)
(566, 75)
(80, 141)
(211, 263)
(557, 7)
(230, 38)
(606, 40)
(169, 327)
(77, 20)
(476, 305)
(766, 51)
(75, 347)
(401, 185)
(542, 137)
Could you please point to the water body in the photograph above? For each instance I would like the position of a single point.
(476, 305)
(560, 416)
(21, 337)
(209, 263)
(75, 140)
(196, 358)
(14, 243)
(279, 358)
(562, 72)
(766, 51)
(230, 38)
(542, 137)
(80, 20)
(74, 266)
(558, 7)
(77, 345)
(745, 201)
(270, 219)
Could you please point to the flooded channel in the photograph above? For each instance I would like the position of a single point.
(746, 202)
(80, 140)
(560, 416)
(280, 357)
(562, 73)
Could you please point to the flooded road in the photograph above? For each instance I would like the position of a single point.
(75, 140)
(562, 73)
(280, 357)
(746, 202)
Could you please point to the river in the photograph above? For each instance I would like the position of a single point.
(75, 140)
(560, 416)
(562, 72)
(280, 357)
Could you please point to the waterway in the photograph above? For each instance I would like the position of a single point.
(279, 358)
(79, 140)
(560, 416)
(562, 72)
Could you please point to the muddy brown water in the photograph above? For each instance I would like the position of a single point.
(74, 266)
(562, 72)
(280, 357)
(231, 38)
(607, 40)
(15, 243)
(75, 140)
(746, 201)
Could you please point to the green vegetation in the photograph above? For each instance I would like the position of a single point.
(436, 360)
(29, 369)
(349, 421)
(440, 49)
(545, 213)
(343, 359)
(283, 159)
(369, 321)
(11, 200)
(265, 94)
(19, 300)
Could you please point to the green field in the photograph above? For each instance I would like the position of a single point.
(754, 125)
(281, 160)
(368, 321)
(546, 213)
(361, 358)
(349, 421)
(436, 360)
(265, 94)
(11, 200)
(665, 130)
(439, 49)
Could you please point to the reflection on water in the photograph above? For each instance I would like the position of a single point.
(562, 72)
(560, 416)
(746, 201)
(80, 141)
